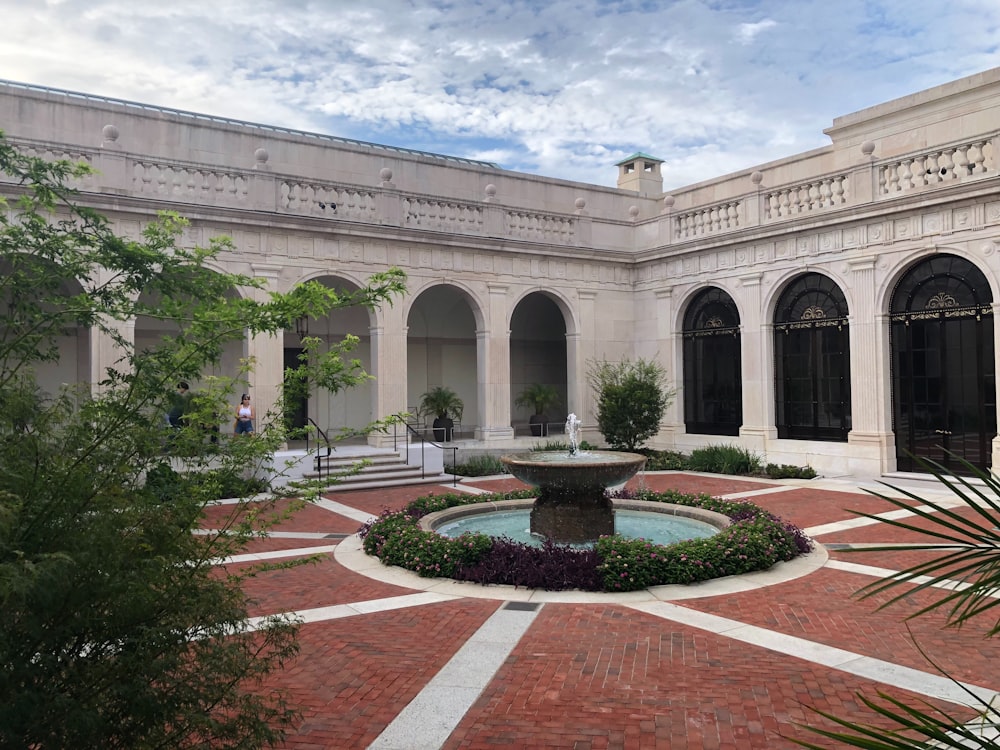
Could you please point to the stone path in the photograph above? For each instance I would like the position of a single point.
(392, 661)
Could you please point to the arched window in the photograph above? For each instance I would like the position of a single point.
(713, 386)
(812, 361)
(943, 364)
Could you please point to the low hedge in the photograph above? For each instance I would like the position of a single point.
(756, 540)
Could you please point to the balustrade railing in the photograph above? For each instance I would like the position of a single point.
(941, 165)
(541, 227)
(816, 195)
(722, 217)
(443, 215)
(327, 199)
(189, 184)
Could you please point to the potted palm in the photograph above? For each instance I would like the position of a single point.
(539, 397)
(446, 407)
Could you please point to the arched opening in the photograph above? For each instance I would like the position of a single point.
(713, 385)
(348, 412)
(441, 351)
(538, 365)
(67, 363)
(943, 364)
(812, 361)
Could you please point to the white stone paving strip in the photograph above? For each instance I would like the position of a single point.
(371, 606)
(854, 523)
(756, 493)
(874, 572)
(276, 554)
(914, 680)
(344, 510)
(430, 718)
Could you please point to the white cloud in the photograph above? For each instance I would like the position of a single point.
(564, 88)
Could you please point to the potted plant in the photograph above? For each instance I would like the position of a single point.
(446, 407)
(539, 397)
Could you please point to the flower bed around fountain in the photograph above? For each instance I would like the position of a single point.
(754, 541)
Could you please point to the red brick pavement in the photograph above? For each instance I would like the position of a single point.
(354, 675)
(312, 584)
(823, 608)
(273, 544)
(588, 677)
(603, 675)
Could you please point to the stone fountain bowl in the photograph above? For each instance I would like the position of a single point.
(587, 469)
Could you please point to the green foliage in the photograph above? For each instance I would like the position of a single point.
(117, 630)
(744, 547)
(665, 460)
(755, 541)
(789, 471)
(539, 397)
(724, 459)
(631, 399)
(480, 466)
(968, 542)
(442, 402)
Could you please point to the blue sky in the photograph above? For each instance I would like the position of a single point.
(563, 88)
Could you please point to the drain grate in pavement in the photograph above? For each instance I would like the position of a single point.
(336, 536)
(522, 606)
(836, 545)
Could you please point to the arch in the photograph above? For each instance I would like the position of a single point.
(350, 410)
(812, 360)
(476, 305)
(713, 385)
(68, 364)
(569, 314)
(539, 357)
(443, 324)
(943, 363)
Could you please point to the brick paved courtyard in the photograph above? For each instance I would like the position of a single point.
(385, 661)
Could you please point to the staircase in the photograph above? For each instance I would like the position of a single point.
(385, 468)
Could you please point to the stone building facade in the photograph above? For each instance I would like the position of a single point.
(833, 308)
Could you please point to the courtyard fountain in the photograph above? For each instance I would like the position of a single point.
(572, 506)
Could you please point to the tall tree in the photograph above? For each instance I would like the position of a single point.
(116, 628)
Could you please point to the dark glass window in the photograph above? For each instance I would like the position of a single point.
(812, 361)
(943, 365)
(713, 386)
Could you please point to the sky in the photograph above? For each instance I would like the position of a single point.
(561, 88)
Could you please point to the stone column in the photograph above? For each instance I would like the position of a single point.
(389, 366)
(671, 356)
(756, 347)
(493, 370)
(581, 400)
(266, 353)
(995, 463)
(870, 438)
(105, 352)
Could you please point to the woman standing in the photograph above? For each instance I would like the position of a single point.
(244, 417)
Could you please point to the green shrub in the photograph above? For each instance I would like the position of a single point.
(789, 471)
(665, 460)
(632, 396)
(480, 466)
(725, 459)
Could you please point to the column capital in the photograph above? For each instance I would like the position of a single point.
(497, 288)
(860, 265)
(586, 294)
(268, 271)
(664, 293)
(751, 279)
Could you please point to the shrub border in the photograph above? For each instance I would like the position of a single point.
(754, 542)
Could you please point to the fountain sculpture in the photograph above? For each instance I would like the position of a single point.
(572, 506)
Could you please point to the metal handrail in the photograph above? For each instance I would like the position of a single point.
(329, 448)
(423, 441)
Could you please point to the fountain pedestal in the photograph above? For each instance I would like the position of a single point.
(573, 520)
(572, 506)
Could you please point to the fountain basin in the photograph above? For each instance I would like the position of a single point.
(580, 472)
(572, 506)
(665, 523)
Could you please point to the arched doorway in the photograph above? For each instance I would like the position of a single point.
(943, 364)
(538, 358)
(713, 385)
(441, 350)
(812, 361)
